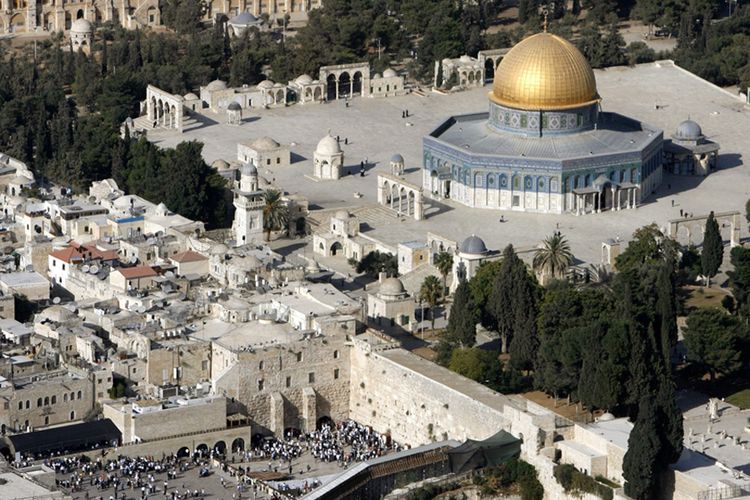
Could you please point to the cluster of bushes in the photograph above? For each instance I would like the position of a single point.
(576, 482)
(514, 474)
(430, 491)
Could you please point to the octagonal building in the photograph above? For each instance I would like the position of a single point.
(545, 145)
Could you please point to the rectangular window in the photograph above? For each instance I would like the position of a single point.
(336, 374)
(311, 378)
(260, 365)
(204, 365)
(516, 201)
(261, 384)
(268, 161)
(335, 355)
(299, 357)
(288, 382)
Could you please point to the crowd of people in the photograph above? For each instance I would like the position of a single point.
(136, 477)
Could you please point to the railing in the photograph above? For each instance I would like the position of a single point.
(730, 491)
(186, 434)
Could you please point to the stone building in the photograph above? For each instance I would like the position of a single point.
(264, 152)
(388, 84)
(234, 113)
(397, 164)
(150, 419)
(689, 152)
(545, 145)
(240, 23)
(306, 90)
(464, 72)
(26, 16)
(81, 35)
(248, 204)
(49, 398)
(471, 253)
(290, 383)
(390, 307)
(342, 238)
(328, 159)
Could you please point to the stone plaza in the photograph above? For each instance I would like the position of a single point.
(372, 131)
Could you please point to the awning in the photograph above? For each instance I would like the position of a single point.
(66, 438)
(494, 450)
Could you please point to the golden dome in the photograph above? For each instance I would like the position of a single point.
(544, 72)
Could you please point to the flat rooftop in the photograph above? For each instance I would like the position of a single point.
(237, 336)
(615, 134)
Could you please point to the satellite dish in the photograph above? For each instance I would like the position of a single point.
(133, 260)
(94, 269)
(85, 268)
(169, 274)
(56, 300)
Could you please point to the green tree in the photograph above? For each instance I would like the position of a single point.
(747, 211)
(462, 323)
(739, 280)
(473, 363)
(377, 262)
(713, 249)
(648, 245)
(553, 257)
(275, 212)
(481, 288)
(444, 264)
(513, 304)
(639, 465)
(714, 340)
(429, 292)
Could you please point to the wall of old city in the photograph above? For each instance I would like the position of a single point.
(271, 382)
(193, 360)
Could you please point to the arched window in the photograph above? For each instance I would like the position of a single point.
(65, 397)
(39, 403)
(46, 401)
(79, 395)
(54, 400)
(73, 415)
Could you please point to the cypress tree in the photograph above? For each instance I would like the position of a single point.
(499, 303)
(713, 249)
(639, 464)
(462, 324)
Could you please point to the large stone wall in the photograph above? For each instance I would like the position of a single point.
(285, 371)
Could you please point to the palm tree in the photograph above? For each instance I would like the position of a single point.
(275, 214)
(553, 257)
(444, 264)
(430, 293)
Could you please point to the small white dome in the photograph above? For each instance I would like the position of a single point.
(397, 158)
(216, 85)
(342, 214)
(304, 79)
(389, 73)
(377, 75)
(264, 143)
(81, 26)
(688, 130)
(234, 106)
(328, 146)
(265, 84)
(465, 59)
(392, 286)
(190, 97)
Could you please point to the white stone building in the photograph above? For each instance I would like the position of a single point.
(328, 159)
(264, 152)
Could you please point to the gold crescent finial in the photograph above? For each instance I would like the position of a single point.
(546, 13)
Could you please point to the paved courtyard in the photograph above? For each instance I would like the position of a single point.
(659, 93)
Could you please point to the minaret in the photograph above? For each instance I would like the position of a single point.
(248, 205)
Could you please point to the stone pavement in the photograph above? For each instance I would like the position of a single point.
(376, 131)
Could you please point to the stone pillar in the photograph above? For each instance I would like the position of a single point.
(418, 207)
(178, 117)
(734, 238)
(276, 412)
(309, 409)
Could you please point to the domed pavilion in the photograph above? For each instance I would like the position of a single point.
(544, 145)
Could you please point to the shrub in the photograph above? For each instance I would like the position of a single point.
(574, 481)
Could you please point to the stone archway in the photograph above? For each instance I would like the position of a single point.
(325, 420)
(345, 84)
(331, 88)
(183, 452)
(220, 447)
(489, 70)
(336, 248)
(238, 445)
(357, 83)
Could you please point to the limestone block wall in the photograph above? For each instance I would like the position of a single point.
(320, 364)
(415, 409)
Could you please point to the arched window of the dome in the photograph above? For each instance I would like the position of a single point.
(541, 184)
(490, 180)
(553, 185)
(478, 178)
(528, 183)
(587, 181)
(503, 181)
(516, 182)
